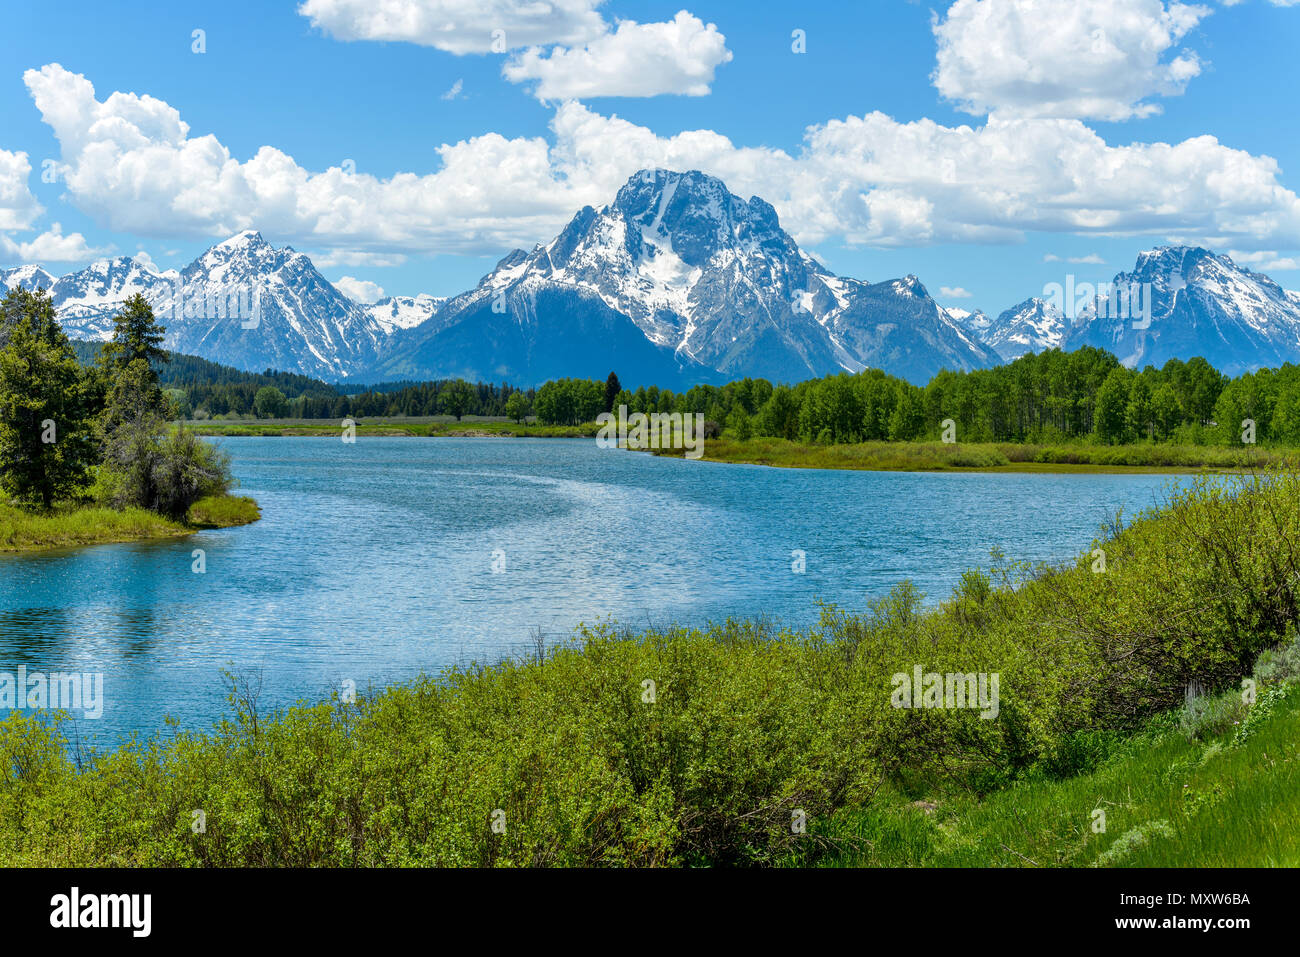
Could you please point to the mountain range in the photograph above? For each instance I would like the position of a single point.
(674, 282)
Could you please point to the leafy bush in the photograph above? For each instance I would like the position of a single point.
(185, 470)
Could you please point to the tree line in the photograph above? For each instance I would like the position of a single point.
(202, 389)
(100, 432)
(1039, 398)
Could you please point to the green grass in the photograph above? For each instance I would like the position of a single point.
(22, 530)
(1169, 800)
(223, 511)
(990, 457)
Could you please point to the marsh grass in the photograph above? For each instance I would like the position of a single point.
(71, 525)
(223, 511)
(1169, 801)
(937, 456)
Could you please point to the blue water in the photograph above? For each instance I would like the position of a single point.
(374, 561)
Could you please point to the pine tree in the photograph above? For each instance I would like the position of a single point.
(612, 389)
(46, 441)
(129, 366)
(136, 335)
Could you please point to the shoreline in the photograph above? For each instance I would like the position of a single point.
(990, 457)
(389, 429)
(973, 457)
(23, 533)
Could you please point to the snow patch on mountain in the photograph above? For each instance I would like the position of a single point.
(404, 312)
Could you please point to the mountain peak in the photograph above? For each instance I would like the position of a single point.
(30, 277)
(246, 238)
(1166, 259)
(1184, 301)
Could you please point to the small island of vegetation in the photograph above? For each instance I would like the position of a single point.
(88, 453)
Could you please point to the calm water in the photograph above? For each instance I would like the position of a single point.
(375, 561)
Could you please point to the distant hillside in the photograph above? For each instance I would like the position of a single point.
(185, 371)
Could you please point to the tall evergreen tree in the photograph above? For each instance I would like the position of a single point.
(136, 335)
(129, 365)
(612, 389)
(46, 441)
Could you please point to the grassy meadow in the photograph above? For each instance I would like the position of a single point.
(911, 456)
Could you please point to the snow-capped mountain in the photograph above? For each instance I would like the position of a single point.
(404, 312)
(973, 321)
(1182, 301)
(250, 305)
(679, 281)
(87, 300)
(243, 303)
(28, 277)
(1034, 325)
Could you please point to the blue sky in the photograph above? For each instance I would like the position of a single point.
(980, 144)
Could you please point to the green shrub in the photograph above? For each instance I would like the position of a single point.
(185, 470)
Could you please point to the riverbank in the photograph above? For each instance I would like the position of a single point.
(703, 746)
(421, 427)
(1143, 458)
(24, 531)
(991, 457)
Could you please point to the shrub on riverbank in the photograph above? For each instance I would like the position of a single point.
(683, 747)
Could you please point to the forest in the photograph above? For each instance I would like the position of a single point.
(1048, 397)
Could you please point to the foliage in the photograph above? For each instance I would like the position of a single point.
(457, 398)
(137, 338)
(46, 443)
(612, 388)
(518, 407)
(569, 401)
(270, 403)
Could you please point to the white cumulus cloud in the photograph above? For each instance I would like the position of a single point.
(637, 59)
(1262, 260)
(459, 26)
(1099, 59)
(18, 207)
(52, 246)
(131, 164)
(359, 290)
